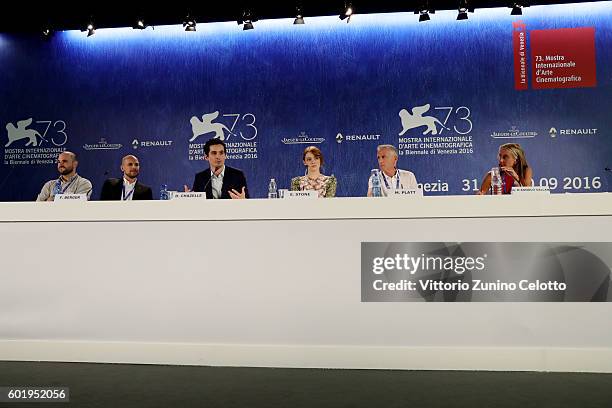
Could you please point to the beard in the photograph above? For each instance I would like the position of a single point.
(66, 170)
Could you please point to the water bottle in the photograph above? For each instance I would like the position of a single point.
(496, 181)
(163, 192)
(272, 190)
(376, 187)
(57, 189)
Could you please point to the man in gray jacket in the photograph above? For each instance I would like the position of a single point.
(69, 182)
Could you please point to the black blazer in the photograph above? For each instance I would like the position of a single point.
(232, 179)
(112, 189)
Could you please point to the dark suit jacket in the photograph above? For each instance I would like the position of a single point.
(112, 189)
(232, 179)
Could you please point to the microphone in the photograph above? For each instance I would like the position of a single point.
(216, 169)
(207, 183)
(210, 179)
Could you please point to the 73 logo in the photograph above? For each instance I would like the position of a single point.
(247, 129)
(57, 136)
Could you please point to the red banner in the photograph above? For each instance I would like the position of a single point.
(563, 58)
(519, 44)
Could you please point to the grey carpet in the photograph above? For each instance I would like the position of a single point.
(117, 385)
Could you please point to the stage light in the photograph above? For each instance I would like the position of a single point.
(139, 25)
(424, 11)
(91, 29)
(247, 20)
(347, 12)
(299, 15)
(517, 9)
(189, 23)
(462, 10)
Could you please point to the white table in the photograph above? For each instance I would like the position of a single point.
(277, 283)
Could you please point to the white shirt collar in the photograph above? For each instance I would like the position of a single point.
(126, 182)
(396, 174)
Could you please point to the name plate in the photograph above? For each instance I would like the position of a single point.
(406, 193)
(70, 197)
(301, 194)
(530, 190)
(199, 195)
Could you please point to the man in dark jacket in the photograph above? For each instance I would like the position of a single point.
(219, 181)
(128, 187)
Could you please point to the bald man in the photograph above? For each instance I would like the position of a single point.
(69, 182)
(127, 188)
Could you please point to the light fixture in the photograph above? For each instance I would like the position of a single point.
(91, 28)
(347, 12)
(247, 20)
(462, 10)
(139, 24)
(517, 9)
(424, 11)
(189, 23)
(299, 15)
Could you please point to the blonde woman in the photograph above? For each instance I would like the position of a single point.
(325, 186)
(513, 167)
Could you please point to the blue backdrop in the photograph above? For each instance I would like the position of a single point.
(280, 88)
